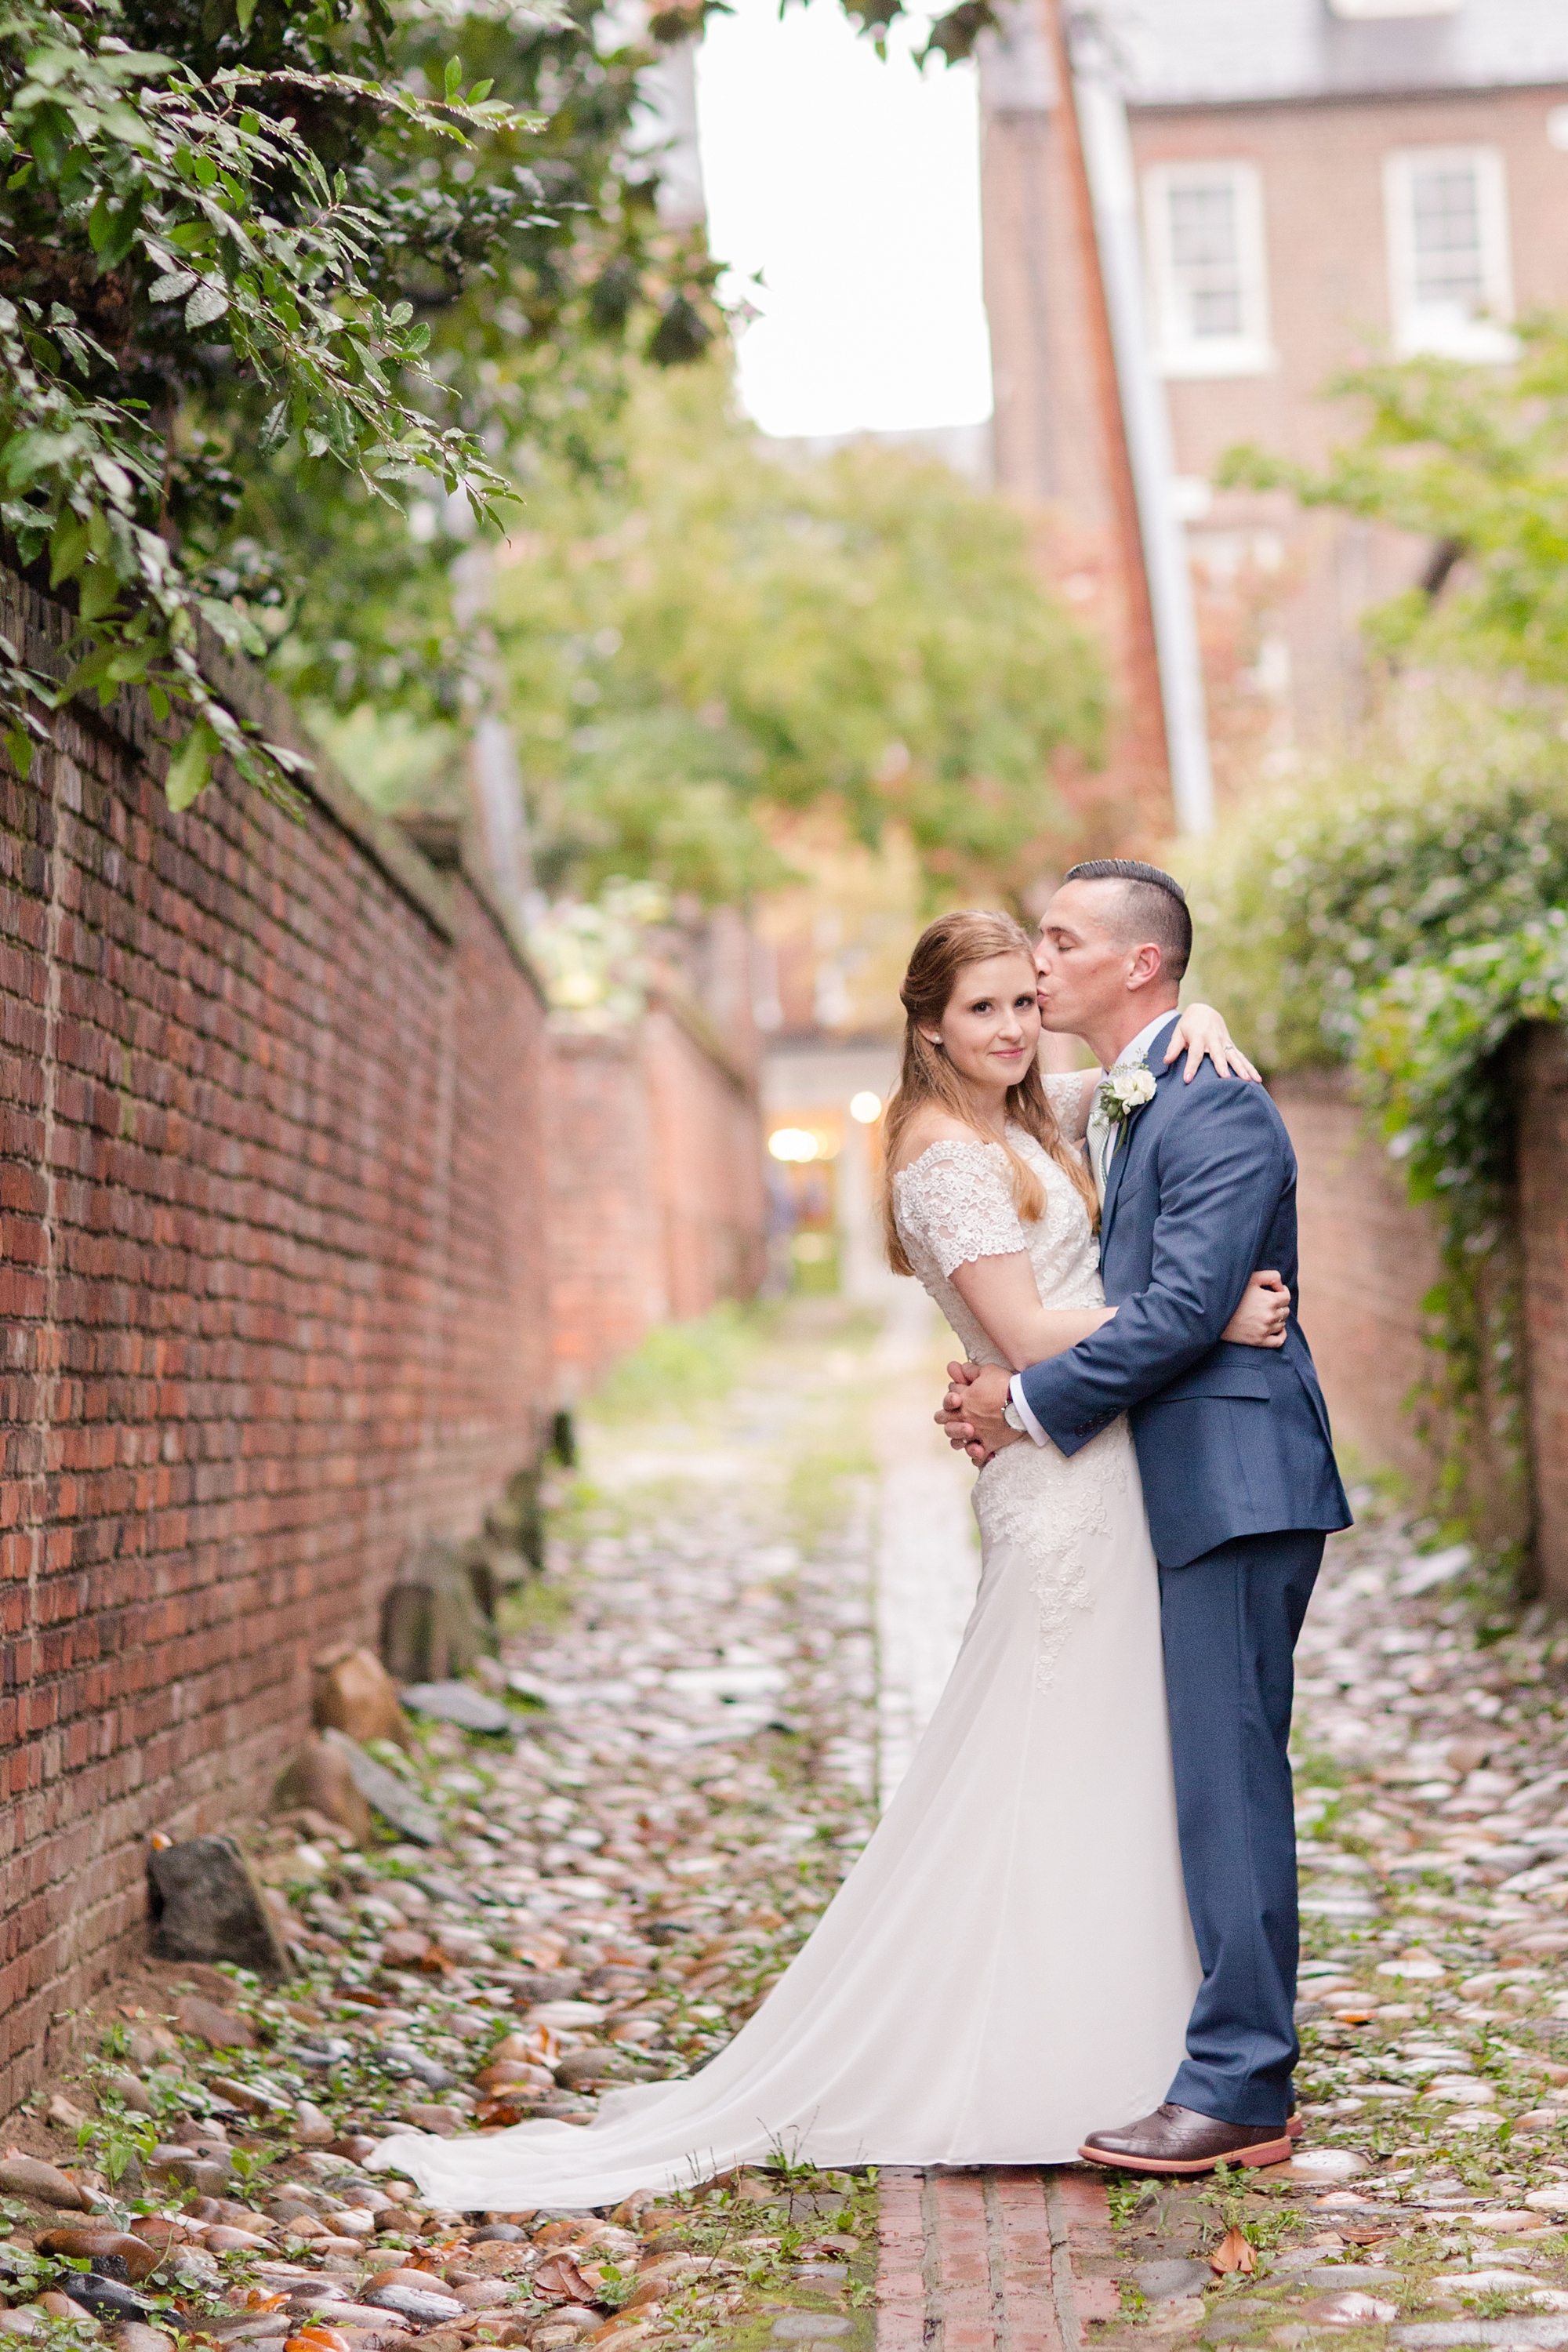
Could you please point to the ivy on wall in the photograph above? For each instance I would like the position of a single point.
(1405, 915)
(1432, 1056)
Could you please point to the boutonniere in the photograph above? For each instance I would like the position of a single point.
(1121, 1092)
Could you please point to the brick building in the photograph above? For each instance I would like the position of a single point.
(1320, 182)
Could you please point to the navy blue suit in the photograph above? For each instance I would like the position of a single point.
(1238, 1475)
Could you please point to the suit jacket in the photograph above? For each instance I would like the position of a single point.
(1232, 1441)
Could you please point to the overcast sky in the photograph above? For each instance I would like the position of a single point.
(852, 185)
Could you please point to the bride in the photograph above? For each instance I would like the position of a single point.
(1010, 1961)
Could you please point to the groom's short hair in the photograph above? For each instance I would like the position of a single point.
(1155, 903)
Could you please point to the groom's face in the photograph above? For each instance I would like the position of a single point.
(1082, 958)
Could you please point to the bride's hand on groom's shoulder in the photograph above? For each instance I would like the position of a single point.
(1202, 1031)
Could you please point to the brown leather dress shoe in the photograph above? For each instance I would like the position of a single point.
(1178, 2139)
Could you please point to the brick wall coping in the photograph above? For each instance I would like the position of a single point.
(43, 625)
(257, 699)
(669, 996)
(665, 995)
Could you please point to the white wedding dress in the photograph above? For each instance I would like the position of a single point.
(1009, 1965)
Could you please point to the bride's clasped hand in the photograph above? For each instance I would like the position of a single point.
(1074, 1930)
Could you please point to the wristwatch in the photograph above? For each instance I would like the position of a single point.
(1013, 1417)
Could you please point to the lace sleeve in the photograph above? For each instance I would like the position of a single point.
(957, 1201)
(1069, 1098)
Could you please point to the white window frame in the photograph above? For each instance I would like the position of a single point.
(1438, 328)
(1178, 350)
(1361, 12)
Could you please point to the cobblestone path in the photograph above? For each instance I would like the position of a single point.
(760, 1571)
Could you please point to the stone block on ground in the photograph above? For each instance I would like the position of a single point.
(27, 2176)
(514, 1529)
(207, 2172)
(433, 1626)
(385, 1793)
(203, 1903)
(354, 1693)
(319, 1779)
(110, 2298)
(459, 1703)
(1156, 2281)
(136, 2259)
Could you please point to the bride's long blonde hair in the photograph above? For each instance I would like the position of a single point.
(926, 1075)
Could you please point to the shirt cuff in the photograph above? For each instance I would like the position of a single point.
(1015, 1391)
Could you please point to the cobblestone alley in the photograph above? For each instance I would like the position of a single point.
(760, 1571)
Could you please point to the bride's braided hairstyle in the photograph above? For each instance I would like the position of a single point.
(926, 1075)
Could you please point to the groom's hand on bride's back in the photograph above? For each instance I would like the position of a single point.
(971, 1416)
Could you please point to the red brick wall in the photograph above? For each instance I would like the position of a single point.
(707, 1137)
(1368, 1258)
(270, 1192)
(657, 1202)
(606, 1260)
(1543, 1229)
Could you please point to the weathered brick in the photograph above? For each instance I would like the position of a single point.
(273, 1284)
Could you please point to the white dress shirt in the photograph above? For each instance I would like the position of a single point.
(1102, 1136)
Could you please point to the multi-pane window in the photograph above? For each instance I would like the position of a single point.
(1449, 276)
(1207, 277)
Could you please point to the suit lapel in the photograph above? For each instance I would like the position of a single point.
(1124, 1143)
(1113, 1181)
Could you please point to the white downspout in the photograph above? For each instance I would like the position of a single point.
(1107, 161)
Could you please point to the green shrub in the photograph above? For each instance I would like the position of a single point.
(1319, 892)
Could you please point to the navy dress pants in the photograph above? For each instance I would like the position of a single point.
(1229, 1621)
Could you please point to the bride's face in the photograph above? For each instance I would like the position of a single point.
(991, 1029)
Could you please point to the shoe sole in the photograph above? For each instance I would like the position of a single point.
(1295, 2127)
(1265, 2151)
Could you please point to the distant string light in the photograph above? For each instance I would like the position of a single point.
(793, 1143)
(867, 1108)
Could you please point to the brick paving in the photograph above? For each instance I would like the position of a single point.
(970, 2261)
(990, 2260)
(1428, 2208)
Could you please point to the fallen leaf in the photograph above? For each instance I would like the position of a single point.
(559, 2278)
(1233, 2253)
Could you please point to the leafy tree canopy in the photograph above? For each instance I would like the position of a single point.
(267, 272)
(1475, 459)
(712, 637)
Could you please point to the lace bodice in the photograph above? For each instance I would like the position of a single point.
(953, 1204)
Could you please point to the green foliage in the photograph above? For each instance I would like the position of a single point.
(1434, 1062)
(709, 639)
(1404, 914)
(681, 1364)
(1428, 1052)
(1411, 916)
(1477, 459)
(1316, 894)
(592, 956)
(267, 273)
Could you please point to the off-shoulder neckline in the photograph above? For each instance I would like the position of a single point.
(959, 1143)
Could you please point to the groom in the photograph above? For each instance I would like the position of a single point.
(1197, 1185)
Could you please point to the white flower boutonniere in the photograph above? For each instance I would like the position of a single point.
(1122, 1091)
